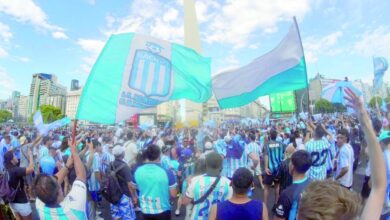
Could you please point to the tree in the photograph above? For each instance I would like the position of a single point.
(323, 106)
(373, 101)
(338, 107)
(5, 115)
(49, 113)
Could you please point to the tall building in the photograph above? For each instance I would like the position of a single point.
(46, 90)
(22, 114)
(14, 103)
(74, 85)
(72, 102)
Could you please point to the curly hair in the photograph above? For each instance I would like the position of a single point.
(327, 200)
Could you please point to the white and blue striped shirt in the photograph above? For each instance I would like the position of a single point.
(199, 186)
(319, 150)
(73, 206)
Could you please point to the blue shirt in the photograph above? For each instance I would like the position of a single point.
(153, 183)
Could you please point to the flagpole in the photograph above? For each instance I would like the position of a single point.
(303, 52)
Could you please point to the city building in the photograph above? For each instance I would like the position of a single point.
(317, 84)
(74, 85)
(46, 90)
(22, 113)
(72, 102)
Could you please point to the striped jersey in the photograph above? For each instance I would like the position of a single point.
(319, 150)
(233, 164)
(73, 207)
(187, 168)
(93, 182)
(153, 183)
(104, 161)
(220, 148)
(199, 186)
(275, 152)
(252, 147)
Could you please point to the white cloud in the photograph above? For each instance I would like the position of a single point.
(91, 2)
(5, 32)
(326, 45)
(59, 35)
(3, 52)
(150, 17)
(28, 12)
(7, 84)
(93, 47)
(205, 10)
(24, 59)
(236, 20)
(170, 15)
(374, 43)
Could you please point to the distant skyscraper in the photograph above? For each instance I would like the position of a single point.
(74, 85)
(45, 90)
(72, 102)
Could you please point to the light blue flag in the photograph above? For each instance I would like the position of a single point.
(380, 66)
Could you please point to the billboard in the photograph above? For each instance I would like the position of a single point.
(283, 102)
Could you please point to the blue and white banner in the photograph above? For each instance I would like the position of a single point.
(44, 129)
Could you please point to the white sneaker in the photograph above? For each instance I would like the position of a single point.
(177, 212)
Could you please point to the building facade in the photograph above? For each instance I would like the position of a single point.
(45, 90)
(72, 102)
(23, 108)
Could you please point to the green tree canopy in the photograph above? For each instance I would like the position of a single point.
(5, 115)
(49, 113)
(373, 101)
(323, 106)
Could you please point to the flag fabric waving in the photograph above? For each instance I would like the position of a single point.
(282, 69)
(135, 72)
(380, 66)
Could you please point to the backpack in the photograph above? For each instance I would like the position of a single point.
(6, 192)
(111, 189)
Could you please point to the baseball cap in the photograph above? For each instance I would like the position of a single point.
(47, 164)
(118, 150)
(208, 145)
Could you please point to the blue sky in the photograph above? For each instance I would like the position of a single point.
(65, 37)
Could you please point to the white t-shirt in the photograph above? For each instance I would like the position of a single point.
(345, 159)
(131, 152)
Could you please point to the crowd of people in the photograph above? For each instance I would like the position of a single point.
(154, 173)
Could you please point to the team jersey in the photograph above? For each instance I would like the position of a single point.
(43, 151)
(93, 182)
(187, 168)
(288, 202)
(153, 183)
(199, 186)
(252, 147)
(220, 147)
(275, 152)
(387, 161)
(232, 164)
(73, 206)
(319, 150)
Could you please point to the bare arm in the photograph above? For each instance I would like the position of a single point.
(213, 212)
(64, 170)
(373, 207)
(254, 159)
(265, 212)
(30, 168)
(78, 165)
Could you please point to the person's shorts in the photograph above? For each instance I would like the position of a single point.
(124, 209)
(269, 179)
(23, 209)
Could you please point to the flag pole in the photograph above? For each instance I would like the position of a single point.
(303, 52)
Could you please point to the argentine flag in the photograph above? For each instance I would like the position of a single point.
(136, 72)
(280, 70)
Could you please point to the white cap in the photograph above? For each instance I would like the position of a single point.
(118, 150)
(208, 145)
(227, 138)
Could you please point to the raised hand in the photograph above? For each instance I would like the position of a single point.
(353, 100)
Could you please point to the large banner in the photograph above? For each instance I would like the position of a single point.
(283, 102)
